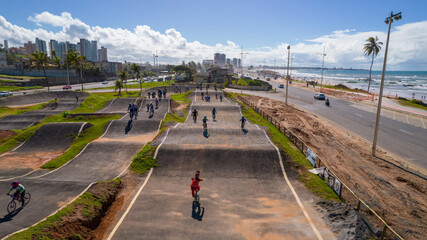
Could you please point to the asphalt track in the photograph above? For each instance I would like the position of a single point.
(243, 194)
(103, 159)
(67, 102)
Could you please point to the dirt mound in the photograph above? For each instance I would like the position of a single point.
(344, 220)
(396, 195)
(83, 219)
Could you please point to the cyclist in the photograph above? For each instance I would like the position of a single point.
(19, 190)
(213, 113)
(205, 123)
(202, 96)
(243, 120)
(195, 113)
(195, 183)
(157, 103)
(220, 98)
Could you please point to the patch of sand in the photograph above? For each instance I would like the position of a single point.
(30, 160)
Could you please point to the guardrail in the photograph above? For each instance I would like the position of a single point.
(346, 193)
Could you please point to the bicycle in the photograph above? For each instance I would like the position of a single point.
(196, 198)
(214, 116)
(11, 207)
(205, 126)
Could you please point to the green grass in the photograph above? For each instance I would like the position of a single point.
(16, 88)
(181, 98)
(20, 110)
(19, 77)
(313, 182)
(81, 141)
(21, 136)
(144, 160)
(345, 88)
(89, 203)
(413, 103)
(97, 101)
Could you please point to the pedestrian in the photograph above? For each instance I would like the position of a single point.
(77, 98)
(157, 103)
(202, 96)
(164, 92)
(220, 98)
(153, 95)
(151, 109)
(149, 95)
(56, 102)
(148, 107)
(216, 95)
(131, 111)
(135, 110)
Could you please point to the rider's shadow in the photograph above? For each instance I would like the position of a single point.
(245, 131)
(9, 217)
(197, 212)
(128, 126)
(206, 134)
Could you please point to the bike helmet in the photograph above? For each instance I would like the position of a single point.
(204, 117)
(15, 184)
(197, 174)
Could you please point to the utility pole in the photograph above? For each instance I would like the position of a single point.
(323, 64)
(292, 59)
(287, 76)
(388, 21)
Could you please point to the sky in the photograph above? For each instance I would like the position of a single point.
(187, 30)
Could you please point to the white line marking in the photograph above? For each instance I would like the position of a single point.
(157, 150)
(359, 115)
(394, 115)
(130, 205)
(422, 120)
(405, 131)
(69, 202)
(407, 119)
(176, 125)
(107, 106)
(294, 192)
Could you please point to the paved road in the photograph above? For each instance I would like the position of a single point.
(243, 193)
(103, 159)
(405, 140)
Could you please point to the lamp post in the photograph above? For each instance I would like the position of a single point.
(388, 21)
(287, 76)
(323, 64)
(241, 69)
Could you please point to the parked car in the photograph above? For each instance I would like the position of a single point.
(268, 79)
(105, 82)
(281, 86)
(66, 87)
(5, 94)
(319, 96)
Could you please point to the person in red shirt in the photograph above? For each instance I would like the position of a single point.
(195, 183)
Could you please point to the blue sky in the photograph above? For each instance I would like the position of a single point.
(252, 24)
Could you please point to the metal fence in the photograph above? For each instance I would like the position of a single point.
(345, 192)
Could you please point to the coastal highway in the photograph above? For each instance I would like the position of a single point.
(404, 140)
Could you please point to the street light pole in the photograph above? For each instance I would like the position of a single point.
(388, 21)
(287, 76)
(323, 64)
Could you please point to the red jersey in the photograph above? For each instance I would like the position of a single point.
(195, 182)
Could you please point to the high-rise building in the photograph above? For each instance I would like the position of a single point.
(62, 50)
(85, 49)
(219, 59)
(236, 62)
(30, 47)
(41, 45)
(93, 51)
(228, 62)
(53, 46)
(78, 48)
(99, 53)
(6, 46)
(104, 56)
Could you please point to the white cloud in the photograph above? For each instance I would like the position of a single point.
(344, 48)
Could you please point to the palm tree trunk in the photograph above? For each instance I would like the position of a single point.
(370, 71)
(47, 82)
(81, 77)
(140, 86)
(126, 85)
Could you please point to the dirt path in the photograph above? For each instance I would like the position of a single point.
(397, 196)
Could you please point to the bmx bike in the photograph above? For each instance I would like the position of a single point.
(196, 198)
(11, 207)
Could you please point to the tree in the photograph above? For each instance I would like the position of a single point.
(74, 58)
(372, 47)
(55, 59)
(40, 61)
(184, 69)
(118, 85)
(137, 73)
(123, 75)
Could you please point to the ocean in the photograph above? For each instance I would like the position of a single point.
(408, 84)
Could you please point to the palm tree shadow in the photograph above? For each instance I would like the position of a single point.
(9, 217)
(128, 126)
(197, 212)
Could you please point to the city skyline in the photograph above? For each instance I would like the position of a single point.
(344, 46)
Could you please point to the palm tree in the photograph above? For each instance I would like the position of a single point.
(123, 75)
(118, 85)
(372, 47)
(40, 61)
(74, 58)
(137, 71)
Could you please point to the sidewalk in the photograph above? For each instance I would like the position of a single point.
(390, 104)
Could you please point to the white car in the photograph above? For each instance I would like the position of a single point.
(5, 94)
(105, 82)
